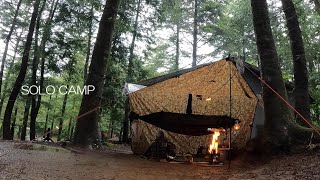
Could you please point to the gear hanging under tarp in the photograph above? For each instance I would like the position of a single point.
(188, 124)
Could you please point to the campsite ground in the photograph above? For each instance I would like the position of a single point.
(31, 161)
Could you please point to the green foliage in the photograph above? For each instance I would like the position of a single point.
(225, 26)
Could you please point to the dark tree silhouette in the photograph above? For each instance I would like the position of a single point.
(22, 73)
(276, 112)
(87, 124)
(301, 90)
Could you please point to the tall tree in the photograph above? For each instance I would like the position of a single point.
(177, 20)
(90, 27)
(195, 34)
(7, 41)
(87, 125)
(177, 55)
(33, 83)
(39, 54)
(9, 73)
(301, 85)
(276, 112)
(125, 133)
(23, 69)
(133, 42)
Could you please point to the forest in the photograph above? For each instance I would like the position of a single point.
(65, 63)
(52, 43)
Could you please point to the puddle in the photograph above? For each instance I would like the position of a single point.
(39, 147)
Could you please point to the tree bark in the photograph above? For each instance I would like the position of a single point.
(25, 118)
(111, 126)
(7, 41)
(69, 127)
(176, 65)
(19, 132)
(301, 85)
(34, 75)
(47, 116)
(86, 126)
(14, 123)
(311, 69)
(276, 112)
(71, 134)
(195, 34)
(85, 70)
(63, 109)
(52, 123)
(70, 120)
(125, 134)
(23, 69)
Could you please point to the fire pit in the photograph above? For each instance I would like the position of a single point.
(213, 149)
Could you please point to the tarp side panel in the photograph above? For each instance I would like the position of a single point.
(143, 134)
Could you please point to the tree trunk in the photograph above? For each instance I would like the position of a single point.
(85, 70)
(120, 135)
(7, 41)
(47, 116)
(40, 55)
(69, 127)
(19, 132)
(52, 123)
(62, 114)
(23, 69)
(8, 74)
(134, 35)
(244, 56)
(70, 120)
(25, 118)
(176, 65)
(71, 134)
(311, 69)
(195, 34)
(301, 86)
(111, 132)
(276, 112)
(125, 127)
(86, 126)
(34, 75)
(130, 73)
(14, 123)
(111, 128)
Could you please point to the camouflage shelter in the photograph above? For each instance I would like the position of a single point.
(212, 95)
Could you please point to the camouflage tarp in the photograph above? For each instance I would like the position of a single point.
(210, 88)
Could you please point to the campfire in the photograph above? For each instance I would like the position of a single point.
(214, 147)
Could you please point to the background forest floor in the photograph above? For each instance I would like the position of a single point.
(18, 161)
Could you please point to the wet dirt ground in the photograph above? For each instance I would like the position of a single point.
(34, 161)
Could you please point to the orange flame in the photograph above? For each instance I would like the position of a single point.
(214, 143)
